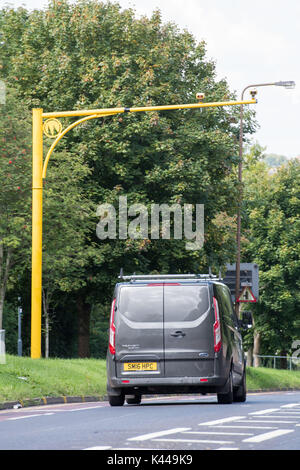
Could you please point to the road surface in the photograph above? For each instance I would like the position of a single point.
(266, 421)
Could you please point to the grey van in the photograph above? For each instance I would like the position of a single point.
(174, 334)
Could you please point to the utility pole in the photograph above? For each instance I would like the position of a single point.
(19, 327)
(285, 84)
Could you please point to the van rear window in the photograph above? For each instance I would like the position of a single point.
(141, 303)
(163, 303)
(185, 303)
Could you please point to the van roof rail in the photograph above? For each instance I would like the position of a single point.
(136, 277)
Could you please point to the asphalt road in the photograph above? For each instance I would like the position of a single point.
(266, 421)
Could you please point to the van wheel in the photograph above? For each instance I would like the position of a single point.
(136, 400)
(239, 395)
(227, 398)
(116, 400)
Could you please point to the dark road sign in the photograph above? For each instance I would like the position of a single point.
(249, 277)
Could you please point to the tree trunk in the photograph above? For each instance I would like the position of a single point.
(256, 348)
(250, 357)
(84, 313)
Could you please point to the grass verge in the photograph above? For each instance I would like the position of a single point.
(265, 378)
(23, 378)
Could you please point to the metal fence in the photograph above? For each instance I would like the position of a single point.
(2, 346)
(279, 362)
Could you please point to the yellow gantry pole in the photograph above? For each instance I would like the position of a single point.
(37, 230)
(39, 169)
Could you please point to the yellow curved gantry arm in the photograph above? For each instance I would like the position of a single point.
(64, 132)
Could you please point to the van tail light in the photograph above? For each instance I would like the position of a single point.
(112, 329)
(217, 327)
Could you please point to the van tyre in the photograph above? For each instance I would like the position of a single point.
(239, 395)
(116, 400)
(136, 400)
(227, 398)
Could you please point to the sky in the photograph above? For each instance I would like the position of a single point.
(251, 43)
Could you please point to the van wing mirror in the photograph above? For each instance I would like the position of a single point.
(246, 321)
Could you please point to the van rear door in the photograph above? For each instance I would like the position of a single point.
(139, 331)
(188, 331)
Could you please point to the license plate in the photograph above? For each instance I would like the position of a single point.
(133, 366)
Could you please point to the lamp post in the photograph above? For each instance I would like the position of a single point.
(285, 84)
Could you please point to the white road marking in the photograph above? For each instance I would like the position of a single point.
(152, 435)
(220, 421)
(290, 410)
(37, 411)
(221, 432)
(135, 448)
(28, 416)
(268, 435)
(290, 405)
(285, 416)
(264, 421)
(86, 408)
(201, 441)
(228, 448)
(98, 448)
(247, 427)
(263, 412)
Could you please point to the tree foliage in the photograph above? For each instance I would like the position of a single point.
(273, 205)
(15, 182)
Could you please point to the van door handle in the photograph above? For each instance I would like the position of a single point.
(178, 334)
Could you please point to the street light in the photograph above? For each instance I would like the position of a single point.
(285, 84)
(289, 85)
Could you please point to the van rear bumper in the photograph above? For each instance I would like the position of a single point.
(144, 385)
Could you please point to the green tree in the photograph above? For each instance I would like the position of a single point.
(68, 216)
(15, 182)
(273, 206)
